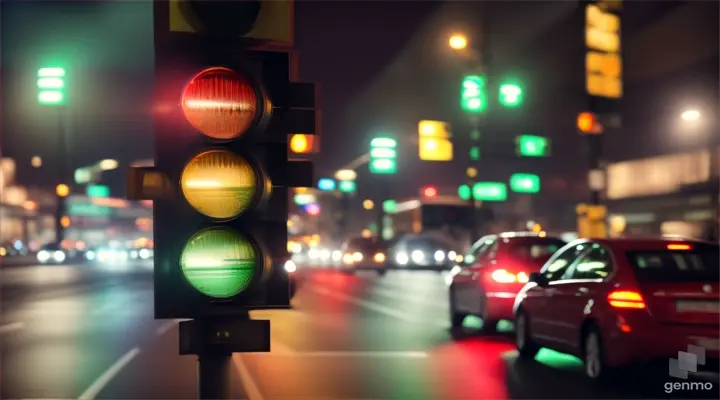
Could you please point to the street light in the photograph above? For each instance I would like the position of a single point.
(690, 115)
(345, 175)
(107, 165)
(458, 41)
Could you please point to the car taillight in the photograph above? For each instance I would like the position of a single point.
(626, 299)
(503, 276)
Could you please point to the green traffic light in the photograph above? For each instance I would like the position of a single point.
(474, 153)
(473, 98)
(219, 262)
(525, 183)
(383, 156)
(532, 146)
(51, 85)
(490, 191)
(464, 192)
(511, 95)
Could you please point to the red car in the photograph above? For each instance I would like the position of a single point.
(616, 302)
(495, 269)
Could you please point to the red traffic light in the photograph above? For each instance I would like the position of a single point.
(430, 191)
(587, 123)
(221, 103)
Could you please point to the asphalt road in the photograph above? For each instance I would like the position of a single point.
(85, 332)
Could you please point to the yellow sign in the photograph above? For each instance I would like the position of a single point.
(273, 23)
(591, 221)
(603, 62)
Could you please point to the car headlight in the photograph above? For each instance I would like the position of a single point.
(43, 256)
(337, 255)
(451, 255)
(347, 259)
(379, 257)
(402, 258)
(90, 255)
(144, 254)
(357, 257)
(439, 256)
(313, 254)
(134, 254)
(324, 254)
(290, 266)
(417, 256)
(59, 256)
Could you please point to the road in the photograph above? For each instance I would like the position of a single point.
(83, 332)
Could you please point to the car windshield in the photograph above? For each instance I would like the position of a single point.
(700, 265)
(535, 248)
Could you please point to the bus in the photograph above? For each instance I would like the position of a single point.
(447, 216)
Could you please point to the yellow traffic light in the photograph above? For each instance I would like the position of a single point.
(603, 63)
(537, 228)
(471, 172)
(62, 190)
(65, 222)
(434, 141)
(368, 204)
(301, 143)
(587, 123)
(458, 41)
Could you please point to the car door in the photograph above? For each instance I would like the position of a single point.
(466, 282)
(574, 294)
(539, 302)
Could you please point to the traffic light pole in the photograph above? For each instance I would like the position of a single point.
(384, 188)
(594, 156)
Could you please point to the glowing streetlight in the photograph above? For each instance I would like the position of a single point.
(107, 165)
(345, 175)
(458, 41)
(368, 204)
(36, 161)
(691, 115)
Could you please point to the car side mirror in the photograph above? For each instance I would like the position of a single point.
(539, 279)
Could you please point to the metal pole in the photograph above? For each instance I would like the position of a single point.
(214, 370)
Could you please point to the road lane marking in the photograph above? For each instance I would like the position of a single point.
(91, 392)
(11, 327)
(377, 307)
(250, 387)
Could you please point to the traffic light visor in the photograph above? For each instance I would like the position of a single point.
(222, 103)
(219, 262)
(220, 184)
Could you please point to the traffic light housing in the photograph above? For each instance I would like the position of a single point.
(221, 175)
(532, 146)
(51, 86)
(510, 94)
(383, 156)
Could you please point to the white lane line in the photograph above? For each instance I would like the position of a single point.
(378, 307)
(11, 327)
(250, 387)
(91, 392)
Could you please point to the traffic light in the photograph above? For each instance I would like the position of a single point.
(221, 175)
(525, 183)
(490, 191)
(588, 124)
(473, 95)
(301, 143)
(383, 156)
(51, 86)
(474, 153)
(532, 146)
(429, 191)
(603, 63)
(326, 184)
(510, 94)
(434, 141)
(62, 191)
(347, 187)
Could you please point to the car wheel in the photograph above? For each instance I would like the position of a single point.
(456, 318)
(527, 349)
(594, 355)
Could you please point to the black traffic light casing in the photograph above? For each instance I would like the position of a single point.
(179, 57)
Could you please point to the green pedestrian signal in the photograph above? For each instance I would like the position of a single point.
(511, 95)
(474, 153)
(383, 156)
(532, 146)
(473, 98)
(51, 86)
(525, 183)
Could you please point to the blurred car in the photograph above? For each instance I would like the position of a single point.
(494, 271)
(615, 302)
(14, 249)
(361, 253)
(423, 252)
(52, 253)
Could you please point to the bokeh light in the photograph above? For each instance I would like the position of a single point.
(219, 262)
(219, 184)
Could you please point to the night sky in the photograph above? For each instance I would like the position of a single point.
(383, 67)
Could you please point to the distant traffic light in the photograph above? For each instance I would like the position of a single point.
(473, 96)
(587, 123)
(301, 143)
(326, 184)
(603, 63)
(434, 141)
(474, 153)
(51, 86)
(532, 146)
(525, 183)
(490, 191)
(220, 224)
(347, 187)
(510, 95)
(429, 191)
(383, 155)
